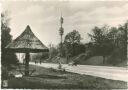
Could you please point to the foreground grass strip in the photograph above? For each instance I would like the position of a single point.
(49, 78)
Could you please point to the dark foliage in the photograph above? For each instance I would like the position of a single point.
(110, 41)
(72, 43)
(8, 59)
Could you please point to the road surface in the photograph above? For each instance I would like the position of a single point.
(114, 73)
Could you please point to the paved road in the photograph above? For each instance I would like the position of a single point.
(114, 73)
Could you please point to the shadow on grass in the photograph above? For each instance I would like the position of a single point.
(34, 83)
(50, 76)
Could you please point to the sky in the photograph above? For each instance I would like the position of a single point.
(44, 17)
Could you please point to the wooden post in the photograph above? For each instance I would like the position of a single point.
(27, 57)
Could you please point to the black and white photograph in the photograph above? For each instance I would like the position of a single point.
(64, 44)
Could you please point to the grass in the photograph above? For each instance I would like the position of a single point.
(49, 78)
(95, 60)
(98, 60)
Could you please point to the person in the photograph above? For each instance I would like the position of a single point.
(58, 59)
(60, 66)
(24, 61)
(35, 62)
(75, 63)
(68, 58)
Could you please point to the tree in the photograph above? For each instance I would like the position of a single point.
(7, 59)
(61, 48)
(102, 43)
(52, 51)
(122, 39)
(118, 37)
(72, 39)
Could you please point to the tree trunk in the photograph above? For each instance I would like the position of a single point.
(67, 59)
(27, 57)
(73, 49)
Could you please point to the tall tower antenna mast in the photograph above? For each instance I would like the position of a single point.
(61, 32)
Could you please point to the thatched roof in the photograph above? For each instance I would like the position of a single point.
(27, 42)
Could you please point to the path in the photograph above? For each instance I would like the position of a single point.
(114, 73)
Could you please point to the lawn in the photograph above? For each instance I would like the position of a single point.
(44, 78)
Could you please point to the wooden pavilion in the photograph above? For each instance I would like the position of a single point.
(27, 43)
